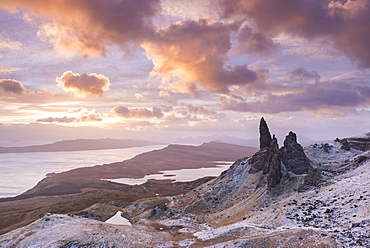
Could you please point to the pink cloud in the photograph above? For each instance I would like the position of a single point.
(84, 84)
(137, 113)
(11, 86)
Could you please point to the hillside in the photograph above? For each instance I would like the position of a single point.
(77, 189)
(279, 197)
(80, 145)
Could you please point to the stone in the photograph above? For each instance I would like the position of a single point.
(265, 136)
(293, 156)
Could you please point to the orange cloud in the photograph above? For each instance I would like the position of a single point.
(11, 86)
(137, 113)
(85, 84)
(88, 26)
(196, 52)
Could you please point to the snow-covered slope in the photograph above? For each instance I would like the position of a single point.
(238, 209)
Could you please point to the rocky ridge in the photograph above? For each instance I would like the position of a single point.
(287, 197)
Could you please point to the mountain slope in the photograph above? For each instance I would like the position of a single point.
(271, 199)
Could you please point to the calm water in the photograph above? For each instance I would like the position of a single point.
(21, 171)
(182, 175)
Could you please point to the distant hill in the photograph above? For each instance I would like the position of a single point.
(80, 145)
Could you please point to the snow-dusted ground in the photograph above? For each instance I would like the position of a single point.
(329, 153)
(73, 231)
(337, 214)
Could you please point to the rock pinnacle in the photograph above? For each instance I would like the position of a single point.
(265, 136)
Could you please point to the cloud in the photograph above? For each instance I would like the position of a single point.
(300, 74)
(165, 94)
(85, 84)
(137, 113)
(196, 52)
(81, 115)
(199, 110)
(139, 96)
(88, 26)
(11, 86)
(65, 119)
(329, 96)
(344, 23)
(255, 43)
(6, 44)
(8, 69)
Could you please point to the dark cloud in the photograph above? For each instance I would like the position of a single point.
(84, 84)
(11, 86)
(88, 26)
(344, 23)
(196, 52)
(300, 74)
(255, 43)
(311, 97)
(137, 113)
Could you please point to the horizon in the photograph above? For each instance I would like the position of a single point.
(168, 69)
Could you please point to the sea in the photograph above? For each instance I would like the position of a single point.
(20, 172)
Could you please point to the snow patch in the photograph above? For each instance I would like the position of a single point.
(117, 219)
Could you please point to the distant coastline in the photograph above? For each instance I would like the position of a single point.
(81, 145)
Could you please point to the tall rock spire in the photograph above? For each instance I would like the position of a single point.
(265, 136)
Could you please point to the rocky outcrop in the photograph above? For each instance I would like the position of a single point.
(344, 143)
(360, 143)
(265, 136)
(273, 165)
(293, 156)
(269, 158)
(159, 211)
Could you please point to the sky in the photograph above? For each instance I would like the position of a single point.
(168, 69)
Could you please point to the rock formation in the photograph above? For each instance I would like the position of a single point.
(273, 165)
(345, 144)
(293, 156)
(269, 158)
(361, 143)
(265, 136)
